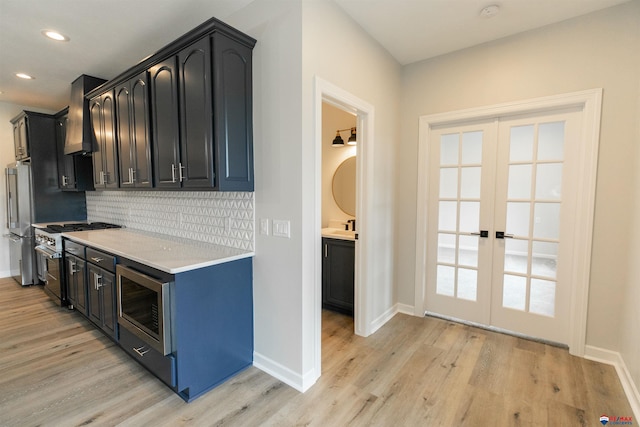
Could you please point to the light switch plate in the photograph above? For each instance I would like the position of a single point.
(264, 226)
(281, 228)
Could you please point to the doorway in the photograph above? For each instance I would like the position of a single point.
(326, 92)
(502, 197)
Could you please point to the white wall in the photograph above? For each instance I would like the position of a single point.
(599, 50)
(294, 45)
(333, 119)
(630, 312)
(7, 155)
(372, 75)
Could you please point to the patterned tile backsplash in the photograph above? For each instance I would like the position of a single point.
(221, 218)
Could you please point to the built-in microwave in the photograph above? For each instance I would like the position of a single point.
(144, 308)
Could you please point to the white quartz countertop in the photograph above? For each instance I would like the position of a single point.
(336, 233)
(165, 253)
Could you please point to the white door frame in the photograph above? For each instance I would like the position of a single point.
(591, 102)
(328, 92)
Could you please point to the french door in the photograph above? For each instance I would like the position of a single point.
(502, 197)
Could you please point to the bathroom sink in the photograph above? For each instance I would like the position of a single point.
(336, 233)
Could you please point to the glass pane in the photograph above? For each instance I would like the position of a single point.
(472, 147)
(516, 255)
(447, 216)
(518, 218)
(543, 297)
(469, 216)
(514, 292)
(519, 182)
(549, 181)
(448, 183)
(521, 143)
(544, 259)
(444, 280)
(467, 284)
(468, 251)
(447, 248)
(470, 183)
(449, 149)
(547, 220)
(551, 141)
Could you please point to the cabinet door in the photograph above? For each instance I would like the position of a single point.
(66, 179)
(110, 153)
(108, 298)
(195, 115)
(95, 110)
(93, 290)
(123, 135)
(232, 95)
(76, 284)
(141, 151)
(163, 80)
(20, 139)
(338, 273)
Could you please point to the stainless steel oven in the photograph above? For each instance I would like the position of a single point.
(144, 308)
(48, 263)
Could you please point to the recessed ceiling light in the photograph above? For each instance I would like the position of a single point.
(25, 76)
(490, 11)
(54, 35)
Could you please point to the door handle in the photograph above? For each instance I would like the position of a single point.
(481, 233)
(503, 235)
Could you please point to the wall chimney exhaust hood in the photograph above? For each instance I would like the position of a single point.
(78, 139)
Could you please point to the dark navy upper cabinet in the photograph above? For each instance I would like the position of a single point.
(163, 81)
(196, 134)
(74, 170)
(105, 155)
(133, 132)
(200, 111)
(232, 114)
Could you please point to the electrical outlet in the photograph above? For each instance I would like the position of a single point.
(282, 228)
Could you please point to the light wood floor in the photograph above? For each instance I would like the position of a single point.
(57, 370)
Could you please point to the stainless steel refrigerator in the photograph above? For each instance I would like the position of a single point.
(33, 197)
(19, 198)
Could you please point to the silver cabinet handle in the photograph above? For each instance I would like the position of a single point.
(131, 181)
(173, 172)
(97, 281)
(141, 351)
(180, 169)
(101, 178)
(97, 259)
(65, 180)
(72, 267)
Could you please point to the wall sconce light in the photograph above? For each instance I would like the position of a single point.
(339, 142)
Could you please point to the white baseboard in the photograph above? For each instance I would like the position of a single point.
(301, 383)
(405, 309)
(383, 318)
(5, 274)
(614, 358)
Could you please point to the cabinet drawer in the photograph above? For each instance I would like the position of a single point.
(101, 259)
(163, 367)
(74, 248)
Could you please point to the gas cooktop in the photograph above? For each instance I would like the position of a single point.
(79, 226)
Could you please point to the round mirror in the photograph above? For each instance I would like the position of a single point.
(344, 186)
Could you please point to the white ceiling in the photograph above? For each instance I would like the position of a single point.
(109, 36)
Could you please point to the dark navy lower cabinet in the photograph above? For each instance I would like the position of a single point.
(338, 273)
(212, 327)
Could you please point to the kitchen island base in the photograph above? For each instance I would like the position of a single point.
(212, 328)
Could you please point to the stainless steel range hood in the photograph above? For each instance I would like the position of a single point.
(78, 139)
